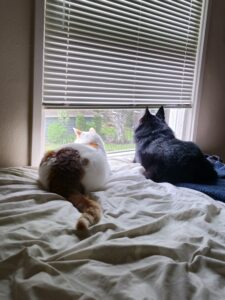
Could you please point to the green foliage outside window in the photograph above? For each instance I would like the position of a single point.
(56, 132)
(114, 127)
(81, 123)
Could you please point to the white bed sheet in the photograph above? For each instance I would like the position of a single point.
(154, 241)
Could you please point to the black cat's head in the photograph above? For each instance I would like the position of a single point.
(150, 123)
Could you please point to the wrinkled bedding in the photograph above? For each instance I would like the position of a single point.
(154, 241)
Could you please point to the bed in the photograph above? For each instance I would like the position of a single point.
(154, 241)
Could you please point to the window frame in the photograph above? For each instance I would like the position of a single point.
(189, 117)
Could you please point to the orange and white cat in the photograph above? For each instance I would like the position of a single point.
(76, 169)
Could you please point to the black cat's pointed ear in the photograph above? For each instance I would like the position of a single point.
(147, 112)
(160, 113)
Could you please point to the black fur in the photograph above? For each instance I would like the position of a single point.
(165, 158)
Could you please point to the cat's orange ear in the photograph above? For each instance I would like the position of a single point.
(92, 130)
(77, 132)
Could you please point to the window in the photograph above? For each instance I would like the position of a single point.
(114, 57)
(116, 126)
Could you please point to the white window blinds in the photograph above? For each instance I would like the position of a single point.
(120, 53)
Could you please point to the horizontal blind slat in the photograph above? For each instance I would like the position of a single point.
(97, 84)
(108, 90)
(111, 80)
(119, 98)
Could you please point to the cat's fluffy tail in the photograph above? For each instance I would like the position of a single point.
(90, 209)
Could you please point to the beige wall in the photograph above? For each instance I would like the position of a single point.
(16, 30)
(211, 119)
(16, 49)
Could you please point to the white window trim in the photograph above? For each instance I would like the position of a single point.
(37, 118)
(188, 131)
(199, 72)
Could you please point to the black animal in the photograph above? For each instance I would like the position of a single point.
(165, 158)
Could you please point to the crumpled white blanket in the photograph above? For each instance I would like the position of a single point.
(154, 241)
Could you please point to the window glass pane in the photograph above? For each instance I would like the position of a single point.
(115, 126)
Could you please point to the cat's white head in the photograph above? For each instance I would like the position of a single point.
(89, 138)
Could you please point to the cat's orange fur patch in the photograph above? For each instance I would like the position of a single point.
(94, 145)
(48, 154)
(82, 224)
(90, 209)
